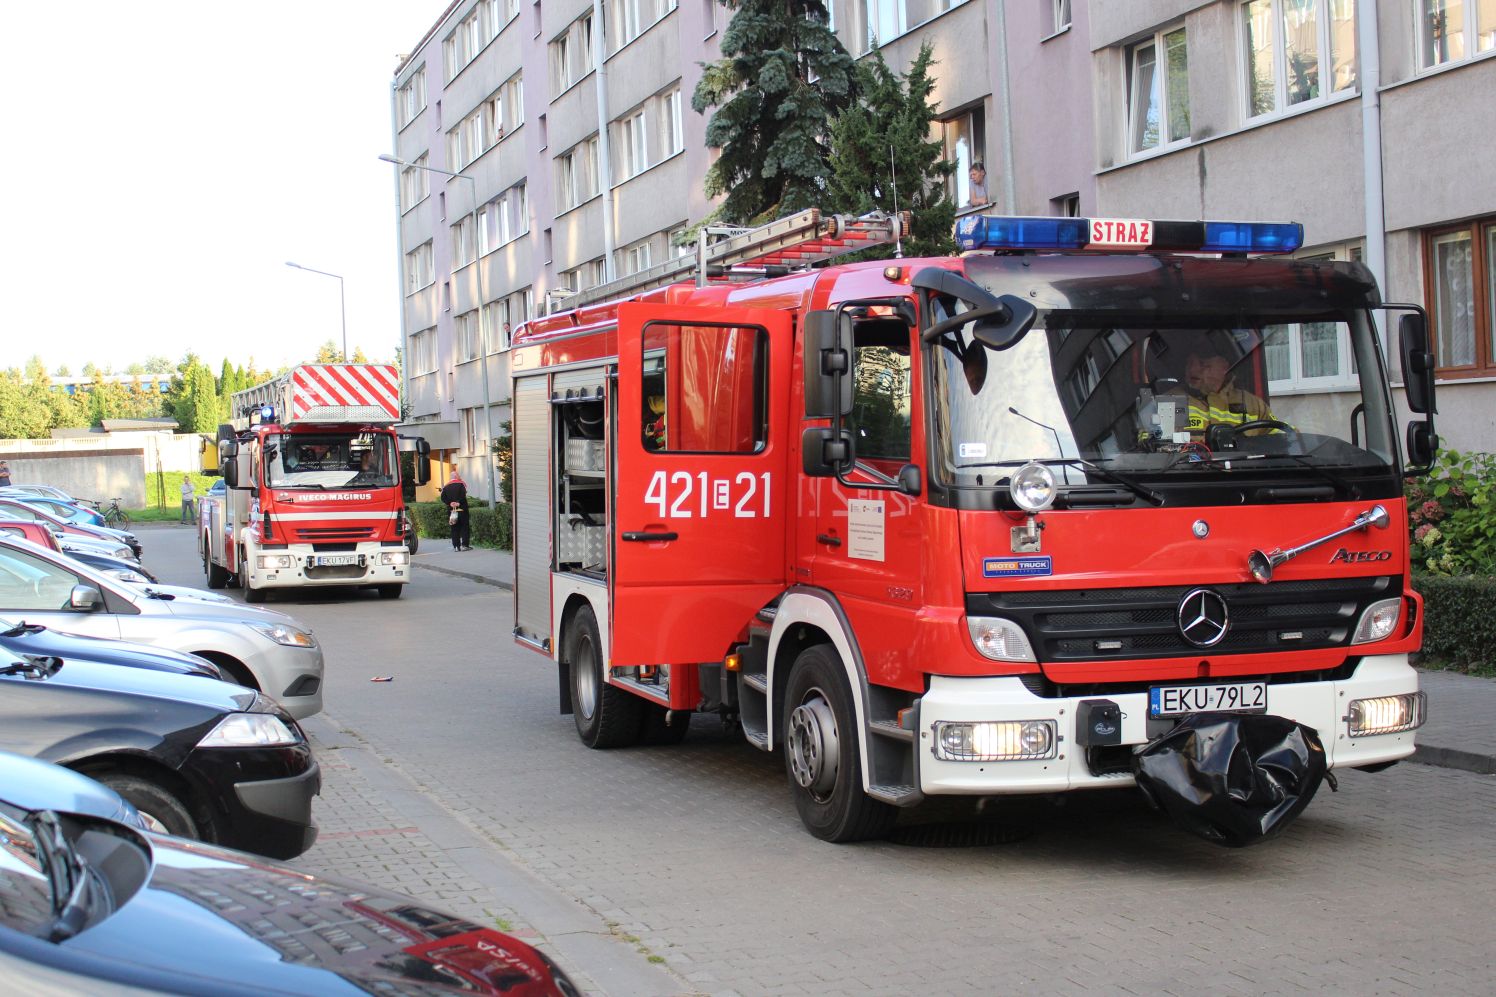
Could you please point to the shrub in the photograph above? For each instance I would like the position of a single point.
(1458, 626)
(490, 527)
(1450, 516)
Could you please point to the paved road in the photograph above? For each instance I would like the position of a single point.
(685, 869)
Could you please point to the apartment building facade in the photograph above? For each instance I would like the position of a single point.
(580, 158)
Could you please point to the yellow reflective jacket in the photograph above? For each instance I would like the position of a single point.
(1227, 406)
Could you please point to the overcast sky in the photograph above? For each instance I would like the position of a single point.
(165, 158)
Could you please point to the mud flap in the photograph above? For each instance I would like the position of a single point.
(1233, 779)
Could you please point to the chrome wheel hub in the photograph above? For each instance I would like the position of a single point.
(584, 679)
(814, 750)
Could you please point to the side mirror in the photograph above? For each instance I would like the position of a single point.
(828, 365)
(85, 598)
(1422, 442)
(911, 482)
(228, 462)
(825, 453)
(1417, 363)
(422, 469)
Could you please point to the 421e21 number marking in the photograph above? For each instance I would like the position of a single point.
(682, 495)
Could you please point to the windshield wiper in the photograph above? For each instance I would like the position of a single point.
(36, 666)
(23, 628)
(1338, 480)
(1140, 490)
(151, 593)
(66, 873)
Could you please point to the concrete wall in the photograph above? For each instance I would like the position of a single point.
(99, 475)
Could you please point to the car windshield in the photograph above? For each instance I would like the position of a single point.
(1170, 402)
(330, 460)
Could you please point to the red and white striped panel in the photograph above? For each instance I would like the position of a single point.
(359, 385)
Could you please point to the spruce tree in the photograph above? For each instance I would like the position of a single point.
(783, 75)
(883, 158)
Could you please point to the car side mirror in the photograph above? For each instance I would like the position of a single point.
(85, 598)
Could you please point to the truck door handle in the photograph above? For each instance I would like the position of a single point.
(637, 537)
(828, 540)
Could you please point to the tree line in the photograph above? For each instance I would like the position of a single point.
(32, 404)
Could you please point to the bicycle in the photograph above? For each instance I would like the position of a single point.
(115, 516)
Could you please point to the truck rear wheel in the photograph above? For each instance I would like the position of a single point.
(821, 753)
(217, 576)
(606, 716)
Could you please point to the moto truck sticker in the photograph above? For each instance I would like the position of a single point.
(1012, 567)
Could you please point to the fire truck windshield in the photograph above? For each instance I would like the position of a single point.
(330, 460)
(1202, 398)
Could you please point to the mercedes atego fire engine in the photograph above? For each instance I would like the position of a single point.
(1021, 520)
(312, 469)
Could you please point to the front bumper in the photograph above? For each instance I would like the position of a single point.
(307, 567)
(290, 675)
(260, 798)
(1320, 705)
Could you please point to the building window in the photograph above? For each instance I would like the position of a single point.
(1297, 51)
(676, 245)
(497, 314)
(410, 99)
(1067, 206)
(504, 219)
(415, 183)
(1061, 15)
(1452, 30)
(633, 17)
(675, 134)
(1158, 97)
(886, 20)
(419, 268)
(504, 110)
(571, 54)
(470, 430)
(633, 259)
(480, 27)
(633, 145)
(467, 335)
(965, 138)
(423, 352)
(467, 141)
(578, 174)
(464, 243)
(1461, 277)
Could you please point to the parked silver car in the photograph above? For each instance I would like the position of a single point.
(260, 648)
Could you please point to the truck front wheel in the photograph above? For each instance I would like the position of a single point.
(217, 576)
(821, 754)
(606, 716)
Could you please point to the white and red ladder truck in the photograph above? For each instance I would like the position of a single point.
(312, 469)
(1022, 520)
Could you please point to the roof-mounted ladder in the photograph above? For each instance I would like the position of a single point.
(791, 243)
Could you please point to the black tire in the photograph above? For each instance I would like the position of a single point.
(606, 716)
(822, 759)
(252, 594)
(412, 540)
(654, 730)
(390, 591)
(216, 575)
(161, 808)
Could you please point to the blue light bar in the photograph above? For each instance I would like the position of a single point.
(994, 232)
(1252, 237)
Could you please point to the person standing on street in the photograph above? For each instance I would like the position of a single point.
(454, 497)
(189, 493)
(4, 474)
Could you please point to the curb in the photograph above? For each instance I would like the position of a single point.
(480, 579)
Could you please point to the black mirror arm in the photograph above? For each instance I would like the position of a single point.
(997, 310)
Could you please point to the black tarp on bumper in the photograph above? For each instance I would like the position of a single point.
(1234, 779)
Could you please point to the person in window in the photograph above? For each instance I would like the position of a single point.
(977, 190)
(1214, 398)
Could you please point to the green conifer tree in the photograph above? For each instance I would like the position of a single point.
(783, 75)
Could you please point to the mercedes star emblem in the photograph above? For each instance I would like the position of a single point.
(1203, 619)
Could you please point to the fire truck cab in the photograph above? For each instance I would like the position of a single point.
(988, 524)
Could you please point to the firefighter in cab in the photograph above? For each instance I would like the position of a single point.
(1214, 398)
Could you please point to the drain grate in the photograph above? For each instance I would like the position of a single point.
(960, 834)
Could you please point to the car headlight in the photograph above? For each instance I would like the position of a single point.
(275, 561)
(126, 575)
(248, 730)
(394, 557)
(283, 634)
(123, 553)
(1032, 487)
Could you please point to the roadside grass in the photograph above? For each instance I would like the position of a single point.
(163, 492)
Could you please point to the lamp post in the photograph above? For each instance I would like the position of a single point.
(342, 306)
(482, 315)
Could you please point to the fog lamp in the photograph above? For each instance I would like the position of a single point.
(995, 741)
(1387, 714)
(1379, 620)
(275, 561)
(1032, 487)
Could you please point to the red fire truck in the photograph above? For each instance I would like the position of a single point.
(1004, 522)
(312, 469)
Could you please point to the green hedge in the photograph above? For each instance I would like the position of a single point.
(1459, 627)
(490, 527)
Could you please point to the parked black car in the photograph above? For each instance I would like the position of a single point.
(92, 905)
(198, 757)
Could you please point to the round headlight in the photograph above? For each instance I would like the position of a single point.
(1032, 487)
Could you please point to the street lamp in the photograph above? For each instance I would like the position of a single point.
(342, 306)
(482, 314)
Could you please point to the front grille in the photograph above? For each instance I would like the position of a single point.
(1081, 625)
(315, 534)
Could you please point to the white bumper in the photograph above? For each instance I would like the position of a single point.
(299, 566)
(1320, 705)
